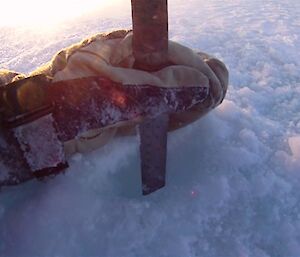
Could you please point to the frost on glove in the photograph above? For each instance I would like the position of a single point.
(91, 92)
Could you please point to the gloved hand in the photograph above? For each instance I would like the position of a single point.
(111, 56)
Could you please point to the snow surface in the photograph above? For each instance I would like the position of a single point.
(233, 176)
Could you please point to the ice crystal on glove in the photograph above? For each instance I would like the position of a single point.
(40, 144)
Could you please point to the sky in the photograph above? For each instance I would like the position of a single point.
(233, 176)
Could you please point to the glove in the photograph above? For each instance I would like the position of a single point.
(111, 56)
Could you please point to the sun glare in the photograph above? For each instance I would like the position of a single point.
(49, 12)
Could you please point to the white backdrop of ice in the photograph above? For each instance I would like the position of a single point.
(233, 177)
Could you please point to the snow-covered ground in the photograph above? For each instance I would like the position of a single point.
(233, 176)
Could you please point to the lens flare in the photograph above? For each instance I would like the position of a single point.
(44, 13)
